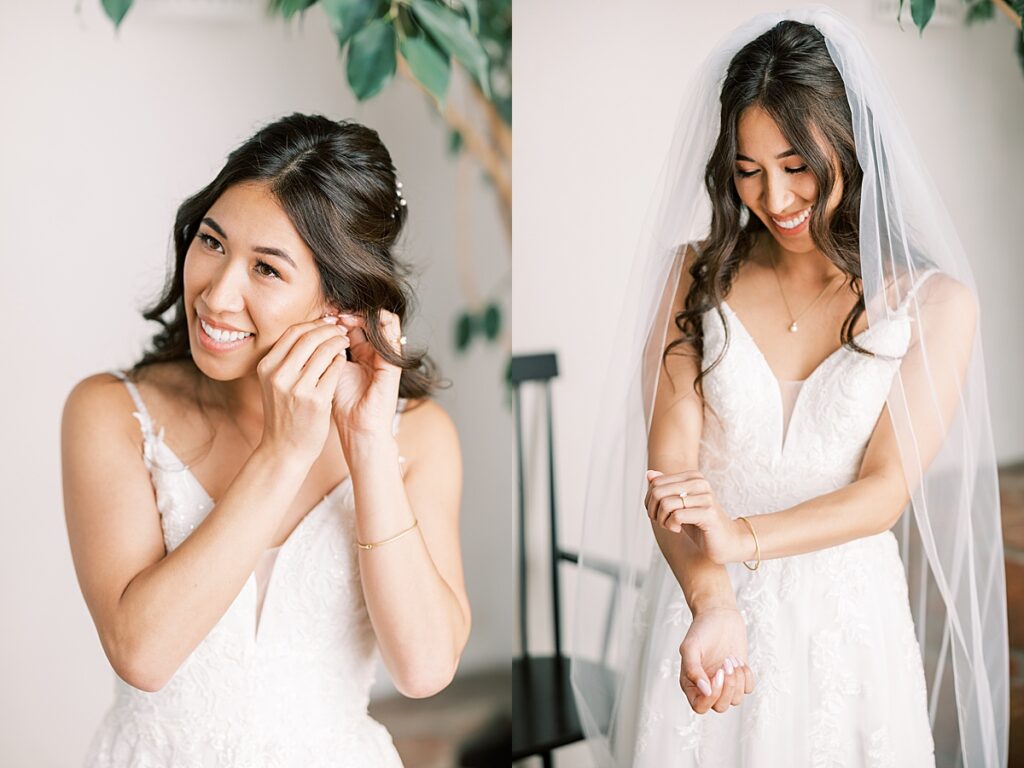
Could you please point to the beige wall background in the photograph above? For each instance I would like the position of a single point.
(598, 86)
(101, 137)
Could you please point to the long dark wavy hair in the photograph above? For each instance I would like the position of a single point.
(788, 72)
(337, 184)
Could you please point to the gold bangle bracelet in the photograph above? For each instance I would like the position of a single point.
(757, 547)
(398, 535)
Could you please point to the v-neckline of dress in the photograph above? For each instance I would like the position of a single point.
(786, 431)
(212, 502)
(259, 615)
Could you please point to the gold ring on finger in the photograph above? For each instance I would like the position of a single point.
(682, 496)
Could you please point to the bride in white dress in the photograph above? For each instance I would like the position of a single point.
(269, 497)
(804, 371)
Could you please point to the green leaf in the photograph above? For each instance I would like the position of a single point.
(116, 9)
(347, 17)
(980, 11)
(921, 12)
(428, 64)
(463, 331)
(473, 10)
(371, 58)
(454, 141)
(492, 321)
(289, 8)
(453, 33)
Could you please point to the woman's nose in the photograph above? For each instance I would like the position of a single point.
(778, 197)
(223, 295)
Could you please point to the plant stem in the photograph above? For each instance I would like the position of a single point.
(1011, 14)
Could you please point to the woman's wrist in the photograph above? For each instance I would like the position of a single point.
(745, 543)
(709, 588)
(713, 603)
(369, 449)
(283, 459)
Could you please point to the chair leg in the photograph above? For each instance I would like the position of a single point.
(546, 760)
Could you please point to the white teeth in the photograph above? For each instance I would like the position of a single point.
(791, 223)
(223, 336)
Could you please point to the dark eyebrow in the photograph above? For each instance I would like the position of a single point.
(259, 248)
(787, 153)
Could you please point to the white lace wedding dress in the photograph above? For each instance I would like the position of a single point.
(287, 688)
(839, 677)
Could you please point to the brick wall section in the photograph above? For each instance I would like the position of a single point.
(1011, 494)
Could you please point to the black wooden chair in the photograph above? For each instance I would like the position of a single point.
(544, 711)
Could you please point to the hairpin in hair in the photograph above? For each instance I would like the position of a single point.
(400, 201)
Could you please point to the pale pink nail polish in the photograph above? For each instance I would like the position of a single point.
(703, 687)
(719, 678)
(728, 665)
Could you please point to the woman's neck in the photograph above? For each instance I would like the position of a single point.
(808, 268)
(241, 400)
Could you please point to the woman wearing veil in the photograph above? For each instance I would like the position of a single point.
(800, 406)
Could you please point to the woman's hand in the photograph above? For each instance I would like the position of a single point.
(714, 672)
(298, 377)
(366, 395)
(722, 539)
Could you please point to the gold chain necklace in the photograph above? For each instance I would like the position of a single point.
(793, 327)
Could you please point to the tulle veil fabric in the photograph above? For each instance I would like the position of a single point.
(949, 534)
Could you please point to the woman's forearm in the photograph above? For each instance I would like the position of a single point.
(419, 623)
(169, 607)
(866, 507)
(705, 584)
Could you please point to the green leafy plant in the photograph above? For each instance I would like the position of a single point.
(424, 41)
(977, 11)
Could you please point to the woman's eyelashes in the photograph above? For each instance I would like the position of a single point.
(746, 174)
(209, 242)
(273, 272)
(214, 244)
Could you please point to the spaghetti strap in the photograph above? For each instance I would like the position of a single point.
(142, 414)
(917, 285)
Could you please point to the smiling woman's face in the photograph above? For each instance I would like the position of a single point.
(247, 269)
(775, 183)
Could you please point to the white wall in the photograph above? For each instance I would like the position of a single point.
(101, 137)
(597, 90)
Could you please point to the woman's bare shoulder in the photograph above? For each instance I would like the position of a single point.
(103, 399)
(99, 407)
(426, 430)
(99, 392)
(424, 419)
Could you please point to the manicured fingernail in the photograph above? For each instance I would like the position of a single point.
(728, 665)
(703, 687)
(719, 679)
(328, 319)
(741, 662)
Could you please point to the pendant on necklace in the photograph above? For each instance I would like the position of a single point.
(793, 328)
